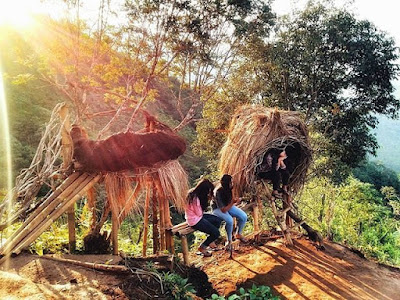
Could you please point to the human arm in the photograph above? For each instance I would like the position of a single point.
(221, 203)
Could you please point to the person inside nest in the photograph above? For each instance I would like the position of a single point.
(197, 203)
(276, 167)
(224, 207)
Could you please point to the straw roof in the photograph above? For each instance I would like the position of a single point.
(253, 131)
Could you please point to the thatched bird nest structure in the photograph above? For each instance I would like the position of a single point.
(254, 130)
(138, 168)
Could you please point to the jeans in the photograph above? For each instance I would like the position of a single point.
(208, 224)
(235, 212)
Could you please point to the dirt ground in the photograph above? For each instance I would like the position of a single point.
(301, 272)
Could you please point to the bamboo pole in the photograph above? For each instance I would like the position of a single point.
(255, 218)
(155, 221)
(71, 229)
(146, 218)
(54, 207)
(57, 213)
(94, 266)
(37, 217)
(162, 219)
(55, 194)
(114, 232)
(165, 219)
(185, 250)
(66, 140)
(66, 143)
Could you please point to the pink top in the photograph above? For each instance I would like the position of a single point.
(193, 212)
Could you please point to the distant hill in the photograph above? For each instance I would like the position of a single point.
(388, 136)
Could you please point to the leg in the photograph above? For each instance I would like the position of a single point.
(205, 226)
(241, 217)
(228, 222)
(285, 179)
(213, 219)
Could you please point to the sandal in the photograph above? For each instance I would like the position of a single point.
(228, 247)
(204, 252)
(243, 239)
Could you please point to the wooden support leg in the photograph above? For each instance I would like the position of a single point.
(185, 250)
(114, 233)
(71, 229)
(255, 218)
(169, 239)
(155, 223)
(146, 219)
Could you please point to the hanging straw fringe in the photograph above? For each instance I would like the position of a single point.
(124, 199)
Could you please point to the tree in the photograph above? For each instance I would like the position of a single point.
(378, 175)
(335, 69)
(195, 42)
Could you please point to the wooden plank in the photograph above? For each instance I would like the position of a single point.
(53, 195)
(36, 218)
(56, 214)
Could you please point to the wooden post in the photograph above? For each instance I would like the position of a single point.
(185, 250)
(169, 238)
(162, 214)
(71, 228)
(155, 221)
(114, 233)
(255, 218)
(67, 159)
(146, 218)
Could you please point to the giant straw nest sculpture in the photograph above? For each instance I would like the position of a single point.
(254, 130)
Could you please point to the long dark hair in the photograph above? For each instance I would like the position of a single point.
(201, 190)
(226, 181)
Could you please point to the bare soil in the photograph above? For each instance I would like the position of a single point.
(300, 272)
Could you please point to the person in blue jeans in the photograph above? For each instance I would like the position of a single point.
(224, 208)
(197, 203)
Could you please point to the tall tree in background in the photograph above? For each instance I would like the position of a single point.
(335, 69)
(194, 42)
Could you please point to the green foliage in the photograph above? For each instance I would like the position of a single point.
(177, 287)
(54, 240)
(354, 214)
(378, 175)
(261, 292)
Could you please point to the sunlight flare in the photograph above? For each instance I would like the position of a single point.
(6, 140)
(16, 13)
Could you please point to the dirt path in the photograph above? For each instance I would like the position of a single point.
(32, 277)
(303, 272)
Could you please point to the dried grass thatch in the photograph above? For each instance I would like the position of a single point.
(124, 190)
(254, 130)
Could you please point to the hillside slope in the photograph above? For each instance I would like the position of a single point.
(303, 272)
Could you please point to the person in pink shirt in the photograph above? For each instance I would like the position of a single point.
(197, 203)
